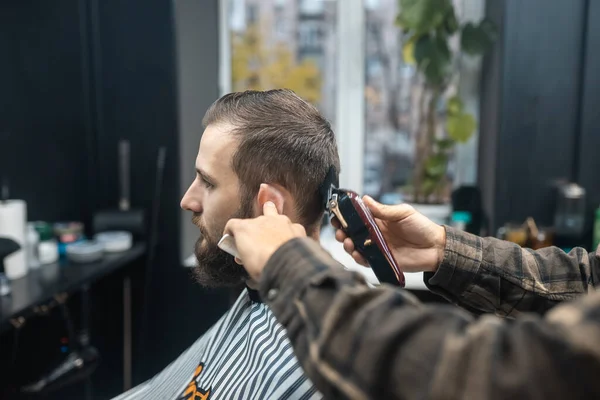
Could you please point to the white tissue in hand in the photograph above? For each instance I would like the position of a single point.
(227, 244)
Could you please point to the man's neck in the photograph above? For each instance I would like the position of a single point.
(252, 284)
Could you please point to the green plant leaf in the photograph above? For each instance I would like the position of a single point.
(451, 22)
(435, 166)
(429, 186)
(478, 39)
(460, 126)
(489, 27)
(422, 16)
(408, 51)
(442, 47)
(455, 105)
(433, 58)
(444, 144)
(398, 21)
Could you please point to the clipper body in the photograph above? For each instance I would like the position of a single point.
(358, 223)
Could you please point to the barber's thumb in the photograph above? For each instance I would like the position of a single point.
(269, 208)
(232, 226)
(388, 212)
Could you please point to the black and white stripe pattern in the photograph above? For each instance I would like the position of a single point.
(246, 355)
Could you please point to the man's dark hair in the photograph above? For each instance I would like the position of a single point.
(282, 140)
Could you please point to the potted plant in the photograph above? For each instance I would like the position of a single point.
(435, 42)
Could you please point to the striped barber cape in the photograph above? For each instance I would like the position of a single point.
(245, 355)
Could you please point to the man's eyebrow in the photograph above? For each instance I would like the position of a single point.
(204, 175)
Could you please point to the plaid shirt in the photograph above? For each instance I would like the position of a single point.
(361, 343)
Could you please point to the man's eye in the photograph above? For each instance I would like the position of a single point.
(207, 184)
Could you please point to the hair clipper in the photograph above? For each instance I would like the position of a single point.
(358, 223)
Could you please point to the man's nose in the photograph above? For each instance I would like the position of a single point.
(192, 200)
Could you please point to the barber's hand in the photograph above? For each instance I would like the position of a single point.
(416, 242)
(258, 238)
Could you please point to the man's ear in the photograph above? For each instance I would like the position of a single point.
(270, 193)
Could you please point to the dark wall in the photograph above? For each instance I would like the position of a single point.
(76, 77)
(588, 162)
(44, 130)
(532, 99)
(491, 86)
(134, 49)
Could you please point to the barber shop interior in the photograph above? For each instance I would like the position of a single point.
(299, 199)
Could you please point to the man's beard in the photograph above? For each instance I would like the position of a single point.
(215, 267)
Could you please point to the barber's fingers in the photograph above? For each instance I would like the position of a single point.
(269, 209)
(348, 245)
(388, 212)
(349, 248)
(359, 259)
(340, 236)
(339, 233)
(233, 225)
(336, 223)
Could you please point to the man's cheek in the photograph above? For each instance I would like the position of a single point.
(213, 233)
(203, 243)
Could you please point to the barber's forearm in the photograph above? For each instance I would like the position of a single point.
(492, 275)
(285, 284)
(339, 327)
(356, 342)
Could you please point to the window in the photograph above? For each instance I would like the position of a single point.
(312, 7)
(345, 56)
(392, 93)
(251, 13)
(276, 45)
(280, 30)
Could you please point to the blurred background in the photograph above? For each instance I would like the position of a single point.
(480, 113)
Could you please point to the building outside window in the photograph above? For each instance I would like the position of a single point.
(285, 44)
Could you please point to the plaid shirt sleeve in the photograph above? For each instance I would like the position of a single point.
(491, 275)
(355, 342)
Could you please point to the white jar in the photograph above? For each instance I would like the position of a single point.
(48, 252)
